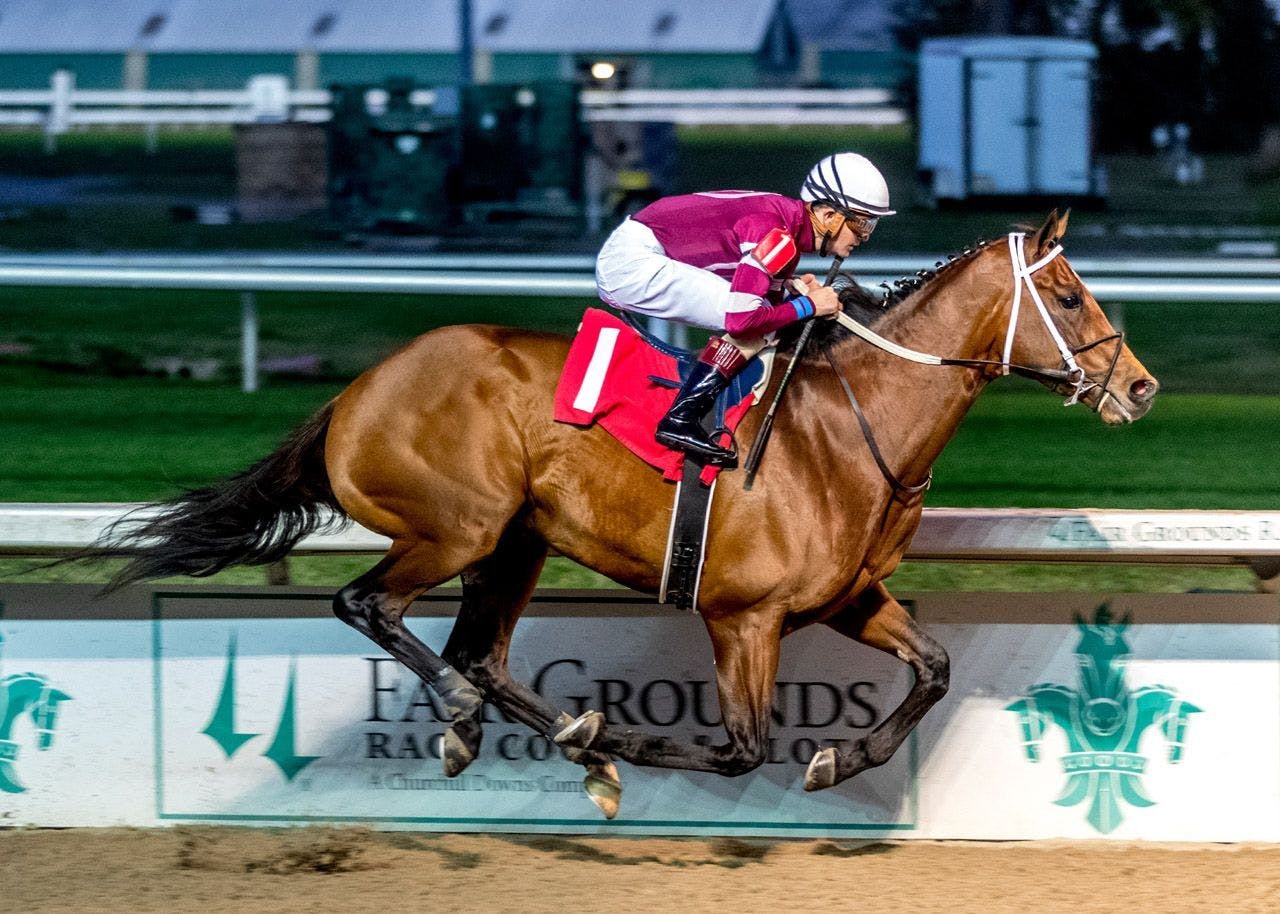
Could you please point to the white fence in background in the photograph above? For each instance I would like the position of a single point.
(1245, 538)
(269, 97)
(520, 277)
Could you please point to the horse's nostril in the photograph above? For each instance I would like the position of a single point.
(1143, 390)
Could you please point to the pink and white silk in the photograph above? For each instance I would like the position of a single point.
(716, 232)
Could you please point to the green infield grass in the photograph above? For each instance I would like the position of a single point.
(84, 438)
(75, 437)
(1190, 348)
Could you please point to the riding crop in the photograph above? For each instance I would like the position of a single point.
(766, 427)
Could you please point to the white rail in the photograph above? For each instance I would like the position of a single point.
(1140, 288)
(269, 97)
(163, 272)
(1091, 268)
(1249, 538)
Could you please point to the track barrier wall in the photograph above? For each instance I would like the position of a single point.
(1154, 718)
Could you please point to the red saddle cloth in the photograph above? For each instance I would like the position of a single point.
(606, 379)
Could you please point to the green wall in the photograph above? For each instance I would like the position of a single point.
(32, 71)
(870, 69)
(704, 71)
(516, 68)
(374, 68)
(212, 71)
(232, 71)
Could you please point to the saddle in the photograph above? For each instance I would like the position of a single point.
(624, 378)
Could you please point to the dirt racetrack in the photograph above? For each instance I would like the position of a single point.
(215, 870)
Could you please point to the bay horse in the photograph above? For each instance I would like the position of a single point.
(448, 448)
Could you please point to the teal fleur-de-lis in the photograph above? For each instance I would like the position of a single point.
(1103, 723)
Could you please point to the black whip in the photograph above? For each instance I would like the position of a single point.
(766, 427)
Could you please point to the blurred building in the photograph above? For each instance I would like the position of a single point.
(205, 44)
(849, 43)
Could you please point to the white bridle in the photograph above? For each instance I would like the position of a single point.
(1022, 273)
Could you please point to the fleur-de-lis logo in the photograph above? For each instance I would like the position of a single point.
(1104, 722)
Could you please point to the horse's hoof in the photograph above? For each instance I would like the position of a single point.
(458, 749)
(580, 733)
(604, 787)
(821, 772)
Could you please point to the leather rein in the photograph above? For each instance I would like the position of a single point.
(1071, 376)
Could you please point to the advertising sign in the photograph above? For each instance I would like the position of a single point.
(1069, 715)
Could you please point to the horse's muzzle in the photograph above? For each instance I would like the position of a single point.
(1122, 403)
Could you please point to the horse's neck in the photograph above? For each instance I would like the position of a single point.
(915, 409)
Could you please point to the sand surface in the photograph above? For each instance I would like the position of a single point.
(215, 870)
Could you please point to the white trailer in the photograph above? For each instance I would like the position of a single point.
(1004, 116)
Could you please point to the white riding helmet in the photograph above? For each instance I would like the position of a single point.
(847, 180)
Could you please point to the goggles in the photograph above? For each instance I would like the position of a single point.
(861, 224)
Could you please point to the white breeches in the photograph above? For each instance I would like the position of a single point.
(634, 273)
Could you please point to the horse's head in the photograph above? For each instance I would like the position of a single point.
(1102, 654)
(1059, 335)
(44, 713)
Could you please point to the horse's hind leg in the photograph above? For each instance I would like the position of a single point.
(374, 604)
(879, 620)
(495, 593)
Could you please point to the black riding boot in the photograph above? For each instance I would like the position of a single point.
(681, 428)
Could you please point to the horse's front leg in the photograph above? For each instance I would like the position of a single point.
(746, 651)
(877, 619)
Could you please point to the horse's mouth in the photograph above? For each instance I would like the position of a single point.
(1116, 409)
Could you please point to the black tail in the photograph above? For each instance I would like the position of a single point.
(252, 518)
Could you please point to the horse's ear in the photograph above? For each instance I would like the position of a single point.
(1048, 234)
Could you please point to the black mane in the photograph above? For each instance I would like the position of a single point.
(866, 307)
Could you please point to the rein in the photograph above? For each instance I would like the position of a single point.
(898, 485)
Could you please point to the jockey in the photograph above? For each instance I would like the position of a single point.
(721, 260)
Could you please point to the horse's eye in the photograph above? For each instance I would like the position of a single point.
(1070, 302)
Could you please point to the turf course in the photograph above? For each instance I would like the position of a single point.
(78, 438)
(85, 438)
